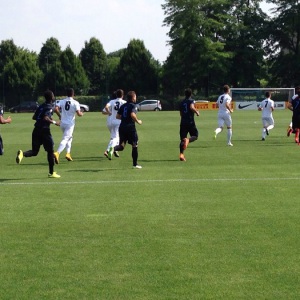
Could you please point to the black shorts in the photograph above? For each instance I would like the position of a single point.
(42, 136)
(186, 129)
(296, 120)
(128, 134)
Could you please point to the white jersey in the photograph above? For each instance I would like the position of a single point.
(221, 102)
(68, 108)
(113, 106)
(267, 107)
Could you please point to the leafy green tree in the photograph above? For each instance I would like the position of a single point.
(137, 69)
(245, 36)
(94, 62)
(49, 63)
(197, 54)
(74, 74)
(284, 44)
(22, 76)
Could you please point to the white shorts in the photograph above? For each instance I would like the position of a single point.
(267, 121)
(224, 118)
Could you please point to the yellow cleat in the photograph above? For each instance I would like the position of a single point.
(68, 157)
(56, 157)
(53, 175)
(19, 156)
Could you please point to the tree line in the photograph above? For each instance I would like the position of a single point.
(212, 43)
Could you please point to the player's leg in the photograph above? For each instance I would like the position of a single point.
(133, 140)
(228, 122)
(220, 125)
(1, 146)
(183, 132)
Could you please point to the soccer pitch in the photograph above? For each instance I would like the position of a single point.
(222, 225)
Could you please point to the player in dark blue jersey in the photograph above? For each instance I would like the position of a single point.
(41, 134)
(296, 116)
(127, 130)
(187, 124)
(3, 121)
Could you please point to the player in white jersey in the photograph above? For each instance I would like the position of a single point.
(267, 107)
(111, 108)
(67, 109)
(224, 114)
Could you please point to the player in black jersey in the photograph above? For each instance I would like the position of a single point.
(187, 124)
(3, 121)
(41, 134)
(127, 130)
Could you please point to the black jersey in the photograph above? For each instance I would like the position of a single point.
(46, 109)
(187, 115)
(125, 112)
(296, 104)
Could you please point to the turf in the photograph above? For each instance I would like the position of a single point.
(222, 225)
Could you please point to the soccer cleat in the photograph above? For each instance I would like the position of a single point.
(267, 131)
(262, 139)
(136, 167)
(53, 175)
(215, 135)
(110, 152)
(289, 131)
(68, 157)
(105, 154)
(19, 156)
(229, 144)
(116, 154)
(181, 157)
(56, 157)
(185, 143)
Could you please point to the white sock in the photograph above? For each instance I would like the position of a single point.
(229, 135)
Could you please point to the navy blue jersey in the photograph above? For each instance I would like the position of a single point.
(125, 112)
(187, 115)
(296, 104)
(46, 109)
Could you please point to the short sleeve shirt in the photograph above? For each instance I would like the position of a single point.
(46, 109)
(68, 108)
(187, 115)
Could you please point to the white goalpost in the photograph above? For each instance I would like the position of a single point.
(250, 98)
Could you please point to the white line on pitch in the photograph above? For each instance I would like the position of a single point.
(58, 182)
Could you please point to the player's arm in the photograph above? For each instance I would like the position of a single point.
(290, 106)
(118, 116)
(5, 121)
(57, 111)
(135, 118)
(227, 104)
(48, 119)
(194, 110)
(79, 113)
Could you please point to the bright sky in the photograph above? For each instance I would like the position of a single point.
(73, 22)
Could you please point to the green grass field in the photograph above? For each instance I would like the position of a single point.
(223, 225)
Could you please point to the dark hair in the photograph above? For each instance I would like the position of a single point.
(119, 93)
(188, 93)
(226, 88)
(70, 92)
(297, 89)
(268, 94)
(49, 96)
(130, 96)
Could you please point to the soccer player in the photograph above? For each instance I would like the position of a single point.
(3, 121)
(295, 107)
(267, 107)
(291, 128)
(113, 123)
(41, 134)
(127, 130)
(67, 109)
(187, 123)
(224, 114)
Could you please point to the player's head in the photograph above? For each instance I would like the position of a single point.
(268, 94)
(70, 92)
(188, 93)
(226, 88)
(120, 93)
(49, 96)
(297, 90)
(113, 95)
(131, 96)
